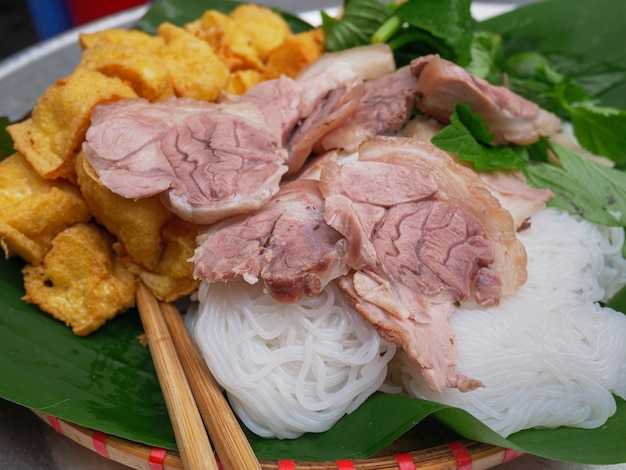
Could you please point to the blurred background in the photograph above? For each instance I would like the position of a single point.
(25, 22)
(16, 27)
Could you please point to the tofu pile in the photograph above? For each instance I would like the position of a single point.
(86, 247)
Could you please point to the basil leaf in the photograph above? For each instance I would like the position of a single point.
(582, 187)
(470, 140)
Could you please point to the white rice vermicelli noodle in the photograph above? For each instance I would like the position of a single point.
(288, 368)
(549, 355)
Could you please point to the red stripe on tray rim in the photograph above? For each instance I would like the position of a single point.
(345, 465)
(509, 454)
(54, 422)
(286, 465)
(99, 443)
(156, 458)
(405, 461)
(461, 455)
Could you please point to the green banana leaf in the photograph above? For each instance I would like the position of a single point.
(107, 381)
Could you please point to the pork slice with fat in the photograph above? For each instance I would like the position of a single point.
(386, 106)
(441, 84)
(286, 243)
(418, 246)
(209, 160)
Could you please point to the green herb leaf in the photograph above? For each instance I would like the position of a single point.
(470, 140)
(589, 32)
(449, 21)
(359, 21)
(601, 131)
(582, 187)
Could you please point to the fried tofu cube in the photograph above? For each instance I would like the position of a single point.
(79, 281)
(137, 224)
(295, 53)
(144, 71)
(197, 72)
(60, 118)
(33, 210)
(266, 29)
(173, 277)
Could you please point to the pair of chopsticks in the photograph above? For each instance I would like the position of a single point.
(191, 393)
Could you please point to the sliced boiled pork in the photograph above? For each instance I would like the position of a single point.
(441, 84)
(286, 243)
(423, 234)
(209, 160)
(386, 106)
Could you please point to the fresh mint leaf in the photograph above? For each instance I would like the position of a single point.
(359, 21)
(470, 140)
(601, 131)
(582, 187)
(6, 142)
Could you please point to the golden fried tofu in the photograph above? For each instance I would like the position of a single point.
(136, 224)
(196, 70)
(79, 281)
(133, 38)
(146, 72)
(266, 29)
(60, 119)
(295, 53)
(241, 81)
(231, 44)
(33, 210)
(173, 277)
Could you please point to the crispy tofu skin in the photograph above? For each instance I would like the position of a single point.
(86, 246)
(266, 29)
(79, 281)
(34, 210)
(136, 224)
(295, 53)
(197, 72)
(173, 276)
(231, 44)
(145, 71)
(60, 119)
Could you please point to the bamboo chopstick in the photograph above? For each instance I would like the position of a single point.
(191, 437)
(227, 436)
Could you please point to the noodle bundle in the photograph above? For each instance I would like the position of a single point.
(550, 355)
(288, 368)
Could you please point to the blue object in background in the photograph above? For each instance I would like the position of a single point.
(50, 17)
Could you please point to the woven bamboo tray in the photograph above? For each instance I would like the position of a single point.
(461, 455)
